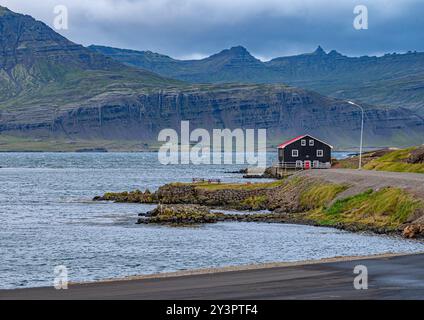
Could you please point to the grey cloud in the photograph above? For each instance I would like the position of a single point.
(268, 28)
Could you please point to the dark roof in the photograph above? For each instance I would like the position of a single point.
(288, 142)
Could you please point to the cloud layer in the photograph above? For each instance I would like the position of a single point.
(268, 28)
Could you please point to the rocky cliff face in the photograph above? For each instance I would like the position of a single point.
(284, 111)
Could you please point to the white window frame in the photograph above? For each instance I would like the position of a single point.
(303, 142)
(311, 142)
(295, 153)
(320, 153)
(315, 164)
(299, 164)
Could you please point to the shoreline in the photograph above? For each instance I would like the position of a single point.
(338, 198)
(246, 267)
(229, 269)
(329, 278)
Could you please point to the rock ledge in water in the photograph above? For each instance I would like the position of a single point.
(180, 214)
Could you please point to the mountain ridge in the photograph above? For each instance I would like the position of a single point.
(392, 79)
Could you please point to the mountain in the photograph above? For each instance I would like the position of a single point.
(393, 79)
(230, 65)
(59, 93)
(38, 64)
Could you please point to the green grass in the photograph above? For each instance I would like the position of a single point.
(319, 195)
(395, 161)
(387, 208)
(255, 202)
(59, 85)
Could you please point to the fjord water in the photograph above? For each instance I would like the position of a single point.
(47, 219)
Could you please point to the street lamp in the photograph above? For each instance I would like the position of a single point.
(362, 132)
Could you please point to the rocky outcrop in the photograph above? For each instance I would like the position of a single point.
(255, 199)
(183, 214)
(414, 231)
(417, 156)
(180, 214)
(136, 196)
(300, 199)
(226, 197)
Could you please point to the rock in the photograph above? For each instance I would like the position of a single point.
(180, 214)
(417, 156)
(136, 196)
(413, 231)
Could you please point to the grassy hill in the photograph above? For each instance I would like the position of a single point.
(402, 160)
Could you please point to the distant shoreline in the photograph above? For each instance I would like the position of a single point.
(272, 150)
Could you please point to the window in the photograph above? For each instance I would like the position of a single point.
(303, 142)
(295, 153)
(299, 164)
(320, 153)
(311, 143)
(316, 164)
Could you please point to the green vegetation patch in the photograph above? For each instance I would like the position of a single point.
(319, 195)
(387, 208)
(255, 202)
(396, 161)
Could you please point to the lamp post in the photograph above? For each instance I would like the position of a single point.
(362, 132)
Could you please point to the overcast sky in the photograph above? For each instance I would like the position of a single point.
(267, 28)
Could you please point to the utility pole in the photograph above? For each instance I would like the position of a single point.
(362, 132)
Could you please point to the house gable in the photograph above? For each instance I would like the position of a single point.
(304, 148)
(289, 142)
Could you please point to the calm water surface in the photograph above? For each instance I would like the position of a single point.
(47, 219)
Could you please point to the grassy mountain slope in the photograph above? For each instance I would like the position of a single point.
(39, 66)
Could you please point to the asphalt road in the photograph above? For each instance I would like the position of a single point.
(400, 277)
